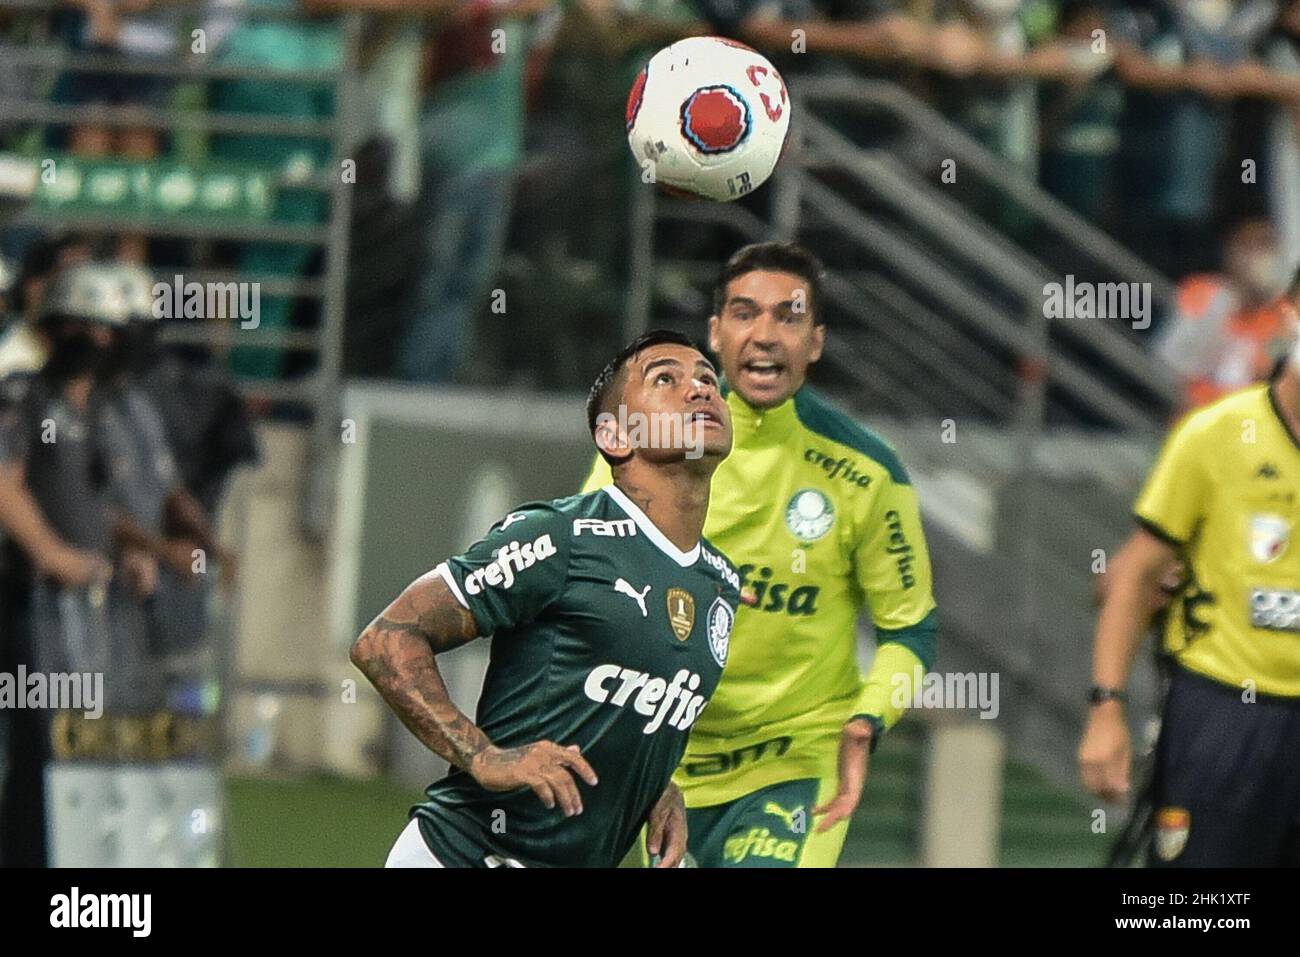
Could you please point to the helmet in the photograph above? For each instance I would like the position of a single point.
(109, 293)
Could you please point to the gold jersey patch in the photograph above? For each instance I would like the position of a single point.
(681, 612)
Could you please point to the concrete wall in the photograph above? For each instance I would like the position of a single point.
(282, 665)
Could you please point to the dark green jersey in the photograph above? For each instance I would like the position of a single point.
(605, 635)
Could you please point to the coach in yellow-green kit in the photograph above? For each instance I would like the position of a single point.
(822, 520)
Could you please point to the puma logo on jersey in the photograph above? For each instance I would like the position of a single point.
(510, 559)
(624, 588)
(794, 820)
(655, 698)
(616, 528)
(512, 518)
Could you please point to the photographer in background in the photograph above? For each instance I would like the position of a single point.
(1230, 328)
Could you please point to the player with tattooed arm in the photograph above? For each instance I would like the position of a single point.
(610, 618)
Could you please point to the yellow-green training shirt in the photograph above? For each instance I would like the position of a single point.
(818, 514)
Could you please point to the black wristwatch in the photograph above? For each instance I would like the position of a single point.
(1097, 694)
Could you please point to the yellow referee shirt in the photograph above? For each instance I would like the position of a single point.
(1226, 492)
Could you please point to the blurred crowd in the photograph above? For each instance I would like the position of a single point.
(487, 157)
(114, 453)
(1174, 125)
(484, 152)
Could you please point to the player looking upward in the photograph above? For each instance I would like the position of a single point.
(1223, 498)
(821, 516)
(610, 619)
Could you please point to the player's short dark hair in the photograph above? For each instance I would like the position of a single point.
(774, 257)
(604, 387)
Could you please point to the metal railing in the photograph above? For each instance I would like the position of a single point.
(319, 389)
(942, 256)
(950, 141)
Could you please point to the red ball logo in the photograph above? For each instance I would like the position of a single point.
(716, 119)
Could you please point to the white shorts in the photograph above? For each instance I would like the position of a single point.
(410, 849)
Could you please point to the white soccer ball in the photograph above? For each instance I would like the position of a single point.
(708, 116)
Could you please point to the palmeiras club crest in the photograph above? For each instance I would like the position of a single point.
(720, 620)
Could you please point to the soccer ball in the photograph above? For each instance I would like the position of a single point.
(708, 116)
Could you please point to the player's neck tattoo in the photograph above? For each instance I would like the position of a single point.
(640, 496)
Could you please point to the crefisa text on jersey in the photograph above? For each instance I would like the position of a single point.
(722, 568)
(655, 695)
(510, 559)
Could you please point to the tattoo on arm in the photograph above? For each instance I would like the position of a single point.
(397, 653)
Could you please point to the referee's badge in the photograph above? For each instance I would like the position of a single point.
(1173, 824)
(1269, 537)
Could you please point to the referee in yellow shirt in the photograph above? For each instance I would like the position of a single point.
(1224, 497)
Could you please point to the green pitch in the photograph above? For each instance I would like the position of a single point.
(276, 822)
